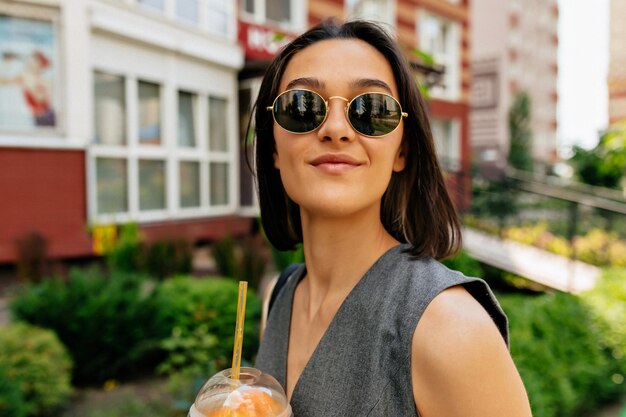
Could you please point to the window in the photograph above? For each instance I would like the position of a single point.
(111, 174)
(152, 4)
(186, 119)
(151, 185)
(218, 138)
(440, 38)
(149, 113)
(219, 16)
(110, 109)
(287, 13)
(140, 173)
(446, 134)
(377, 10)
(187, 11)
(189, 179)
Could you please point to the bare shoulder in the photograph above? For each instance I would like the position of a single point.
(460, 363)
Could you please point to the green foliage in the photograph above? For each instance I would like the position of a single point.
(520, 150)
(464, 263)
(282, 259)
(608, 302)
(605, 164)
(127, 253)
(554, 342)
(109, 324)
(169, 257)
(34, 372)
(193, 352)
(197, 307)
(243, 260)
(495, 199)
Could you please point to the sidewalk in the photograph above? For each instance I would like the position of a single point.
(544, 267)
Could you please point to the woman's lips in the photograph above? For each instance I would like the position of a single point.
(335, 163)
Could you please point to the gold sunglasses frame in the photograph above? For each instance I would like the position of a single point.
(349, 102)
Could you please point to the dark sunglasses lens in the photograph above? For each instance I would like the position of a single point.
(374, 114)
(299, 111)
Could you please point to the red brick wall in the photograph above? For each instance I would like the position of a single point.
(43, 191)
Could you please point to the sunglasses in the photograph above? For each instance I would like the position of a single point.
(371, 114)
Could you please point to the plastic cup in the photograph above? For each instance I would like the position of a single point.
(254, 394)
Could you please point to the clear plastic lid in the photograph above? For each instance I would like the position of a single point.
(254, 394)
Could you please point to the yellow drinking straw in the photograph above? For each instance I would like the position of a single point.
(241, 315)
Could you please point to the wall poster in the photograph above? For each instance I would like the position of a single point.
(29, 69)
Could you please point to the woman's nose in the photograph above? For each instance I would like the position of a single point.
(336, 126)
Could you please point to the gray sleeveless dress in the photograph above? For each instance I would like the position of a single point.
(362, 365)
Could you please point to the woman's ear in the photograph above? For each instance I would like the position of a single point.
(400, 160)
(276, 160)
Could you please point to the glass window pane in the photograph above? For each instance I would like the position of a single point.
(149, 113)
(186, 119)
(111, 185)
(219, 183)
(218, 16)
(278, 10)
(109, 109)
(247, 6)
(151, 185)
(218, 139)
(189, 184)
(187, 10)
(152, 4)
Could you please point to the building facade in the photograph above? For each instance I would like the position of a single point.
(617, 62)
(114, 111)
(514, 49)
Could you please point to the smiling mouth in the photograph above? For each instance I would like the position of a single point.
(335, 164)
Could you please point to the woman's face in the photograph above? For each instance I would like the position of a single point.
(334, 170)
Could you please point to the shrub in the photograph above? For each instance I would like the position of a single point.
(554, 342)
(464, 263)
(166, 258)
(244, 260)
(208, 306)
(34, 372)
(109, 324)
(608, 302)
(128, 253)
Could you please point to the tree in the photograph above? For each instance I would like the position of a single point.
(520, 148)
(604, 165)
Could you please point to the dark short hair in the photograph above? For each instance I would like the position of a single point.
(415, 208)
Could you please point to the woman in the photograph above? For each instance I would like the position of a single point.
(372, 324)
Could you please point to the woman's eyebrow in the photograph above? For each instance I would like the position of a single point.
(306, 82)
(370, 82)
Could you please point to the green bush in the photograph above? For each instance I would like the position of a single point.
(34, 372)
(169, 257)
(608, 302)
(210, 305)
(244, 259)
(109, 324)
(464, 263)
(555, 344)
(128, 252)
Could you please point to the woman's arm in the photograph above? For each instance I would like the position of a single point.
(460, 364)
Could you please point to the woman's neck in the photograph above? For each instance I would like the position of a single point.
(339, 251)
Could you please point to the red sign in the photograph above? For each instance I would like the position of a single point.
(262, 42)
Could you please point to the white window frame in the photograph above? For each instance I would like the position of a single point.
(387, 17)
(168, 151)
(169, 11)
(297, 21)
(452, 58)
